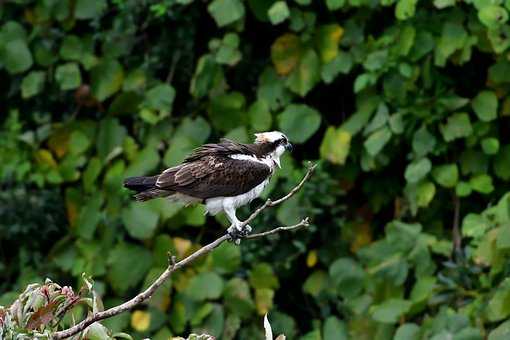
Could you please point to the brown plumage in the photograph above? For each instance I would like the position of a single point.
(223, 176)
(207, 172)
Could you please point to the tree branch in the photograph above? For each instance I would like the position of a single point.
(173, 266)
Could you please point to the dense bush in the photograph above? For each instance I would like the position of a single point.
(405, 101)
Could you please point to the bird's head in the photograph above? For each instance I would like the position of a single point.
(275, 142)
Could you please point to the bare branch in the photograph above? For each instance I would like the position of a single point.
(304, 223)
(270, 203)
(173, 266)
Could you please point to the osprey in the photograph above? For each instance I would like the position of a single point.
(223, 176)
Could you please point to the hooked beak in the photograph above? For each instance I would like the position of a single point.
(288, 147)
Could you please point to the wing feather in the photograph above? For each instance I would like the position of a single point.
(214, 176)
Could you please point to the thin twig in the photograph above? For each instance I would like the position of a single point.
(175, 60)
(173, 266)
(270, 203)
(304, 223)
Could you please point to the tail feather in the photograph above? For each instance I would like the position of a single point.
(146, 195)
(140, 183)
(145, 188)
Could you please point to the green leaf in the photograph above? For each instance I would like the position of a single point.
(96, 331)
(304, 77)
(492, 16)
(390, 310)
(286, 53)
(226, 258)
(485, 105)
(299, 122)
(334, 329)
(89, 217)
(375, 60)
(452, 38)
(260, 116)
(208, 75)
(228, 52)
(363, 81)
(499, 305)
(474, 225)
(327, 38)
(425, 192)
(91, 174)
(201, 314)
(226, 12)
(498, 72)
(15, 56)
(473, 162)
(423, 289)
(405, 9)
(481, 183)
(408, 331)
(347, 276)
(377, 140)
(89, 9)
(278, 12)
(237, 298)
(457, 126)
(341, 64)
(335, 145)
(124, 273)
(140, 220)
(262, 276)
(32, 84)
(315, 283)
(502, 163)
(72, 48)
(379, 120)
(423, 142)
(503, 239)
(205, 286)
(194, 216)
(463, 189)
(160, 97)
(227, 111)
(358, 120)
(289, 211)
(145, 161)
(106, 79)
(264, 300)
(490, 145)
(335, 4)
(78, 142)
(109, 139)
(312, 335)
(68, 76)
(446, 175)
(501, 332)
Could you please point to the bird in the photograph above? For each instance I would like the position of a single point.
(223, 176)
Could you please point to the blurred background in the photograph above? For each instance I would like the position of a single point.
(402, 103)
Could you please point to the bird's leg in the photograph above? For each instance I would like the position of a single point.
(236, 230)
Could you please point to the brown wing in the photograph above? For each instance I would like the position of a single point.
(212, 176)
(223, 149)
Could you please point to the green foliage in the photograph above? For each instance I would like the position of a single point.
(404, 104)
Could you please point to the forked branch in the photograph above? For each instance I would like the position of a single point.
(173, 266)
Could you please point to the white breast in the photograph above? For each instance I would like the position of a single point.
(217, 204)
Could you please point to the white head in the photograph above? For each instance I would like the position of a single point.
(275, 142)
